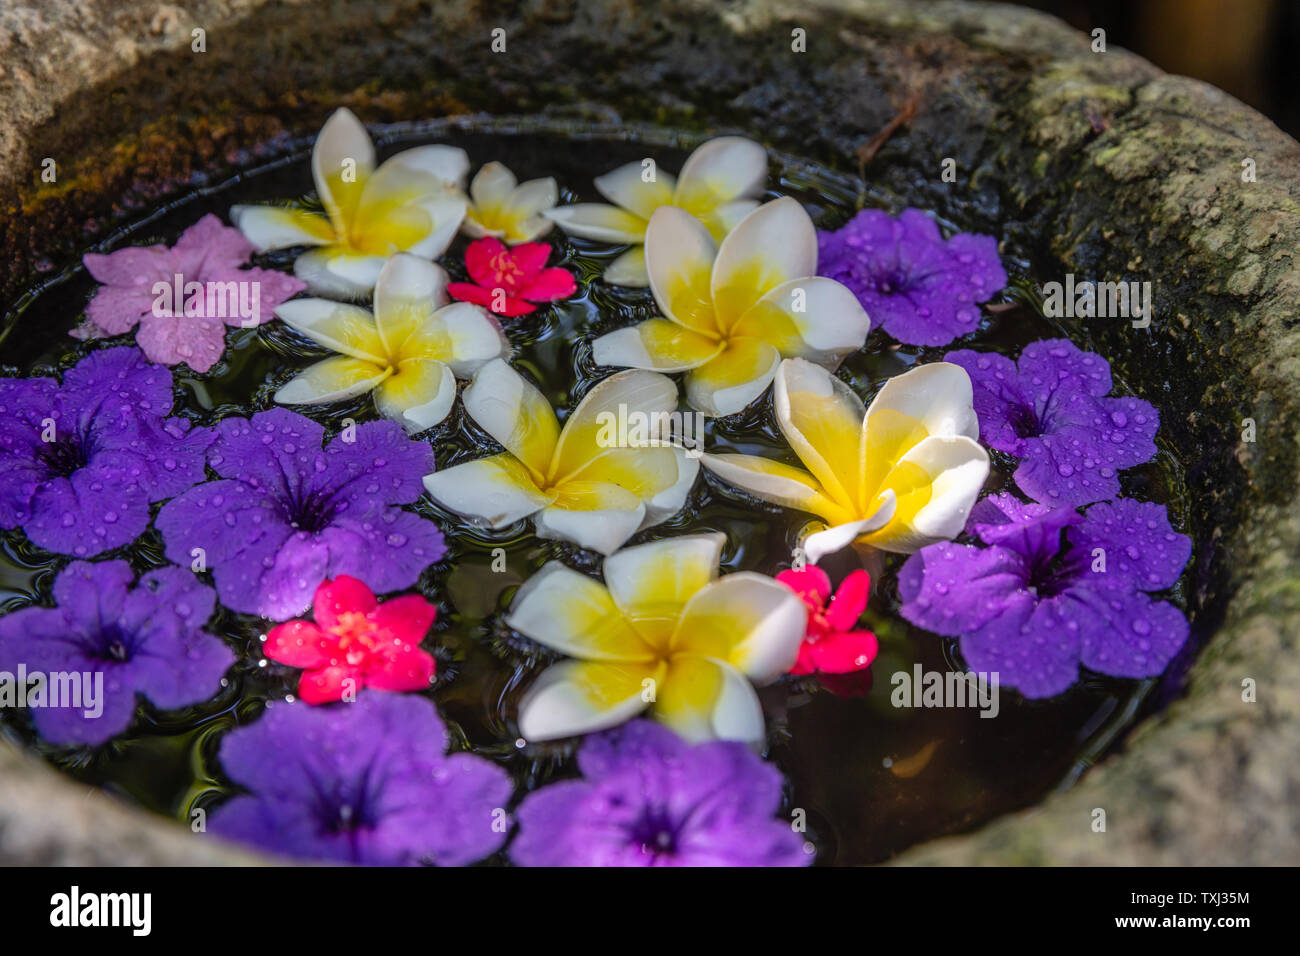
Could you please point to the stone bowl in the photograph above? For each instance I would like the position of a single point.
(1097, 162)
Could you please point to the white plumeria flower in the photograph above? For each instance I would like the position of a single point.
(413, 203)
(409, 353)
(897, 476)
(503, 207)
(577, 483)
(732, 312)
(665, 634)
(719, 185)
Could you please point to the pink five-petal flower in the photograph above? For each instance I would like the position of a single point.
(355, 638)
(208, 253)
(830, 645)
(508, 280)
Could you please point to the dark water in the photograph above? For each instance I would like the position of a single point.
(871, 778)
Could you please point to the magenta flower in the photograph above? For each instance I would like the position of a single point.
(112, 641)
(1051, 412)
(648, 798)
(81, 461)
(1031, 608)
(509, 281)
(921, 288)
(286, 514)
(367, 783)
(183, 298)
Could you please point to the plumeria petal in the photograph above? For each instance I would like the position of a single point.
(492, 185)
(450, 164)
(775, 243)
(419, 394)
(655, 344)
(580, 697)
(342, 159)
(656, 580)
(812, 317)
(515, 413)
(632, 394)
(279, 227)
(409, 289)
(628, 269)
(753, 622)
(571, 613)
(463, 335)
(778, 483)
(627, 187)
(496, 491)
(334, 379)
(821, 418)
(719, 172)
(338, 271)
(705, 699)
(837, 537)
(597, 515)
(732, 379)
(599, 221)
(347, 329)
(663, 505)
(679, 254)
(936, 484)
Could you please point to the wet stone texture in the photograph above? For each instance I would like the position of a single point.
(1095, 164)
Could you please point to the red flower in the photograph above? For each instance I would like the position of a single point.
(830, 647)
(507, 280)
(357, 638)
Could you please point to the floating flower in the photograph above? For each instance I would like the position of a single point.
(412, 203)
(921, 288)
(408, 354)
(896, 476)
(735, 310)
(663, 633)
(286, 515)
(648, 798)
(367, 782)
(577, 482)
(507, 209)
(831, 645)
(1031, 610)
(1050, 411)
(183, 298)
(509, 280)
(81, 461)
(719, 185)
(105, 641)
(356, 642)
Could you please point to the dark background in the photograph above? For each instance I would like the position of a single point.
(1250, 48)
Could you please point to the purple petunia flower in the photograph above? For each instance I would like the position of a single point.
(921, 288)
(193, 329)
(1051, 411)
(105, 642)
(1031, 611)
(367, 782)
(287, 515)
(81, 461)
(651, 799)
